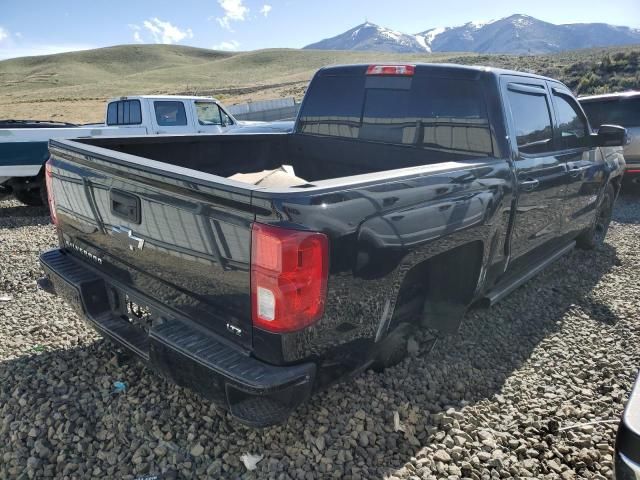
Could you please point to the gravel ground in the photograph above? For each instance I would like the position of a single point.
(533, 387)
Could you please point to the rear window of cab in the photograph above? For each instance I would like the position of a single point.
(619, 111)
(422, 111)
(124, 112)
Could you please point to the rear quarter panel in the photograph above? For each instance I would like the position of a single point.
(378, 231)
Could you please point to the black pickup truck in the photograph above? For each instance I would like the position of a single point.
(425, 188)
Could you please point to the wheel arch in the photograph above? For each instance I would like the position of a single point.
(437, 291)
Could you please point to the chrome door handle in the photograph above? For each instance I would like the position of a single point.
(528, 185)
(576, 171)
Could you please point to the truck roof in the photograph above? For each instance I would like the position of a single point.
(610, 96)
(164, 97)
(443, 67)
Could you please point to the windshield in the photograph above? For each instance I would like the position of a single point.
(623, 112)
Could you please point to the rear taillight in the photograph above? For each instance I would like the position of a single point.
(391, 70)
(289, 271)
(48, 180)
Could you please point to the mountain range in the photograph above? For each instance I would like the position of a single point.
(516, 34)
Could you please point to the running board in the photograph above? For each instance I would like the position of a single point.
(494, 296)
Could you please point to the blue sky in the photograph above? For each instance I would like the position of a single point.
(32, 27)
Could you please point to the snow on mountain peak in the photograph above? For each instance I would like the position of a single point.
(522, 21)
(433, 33)
(392, 34)
(478, 24)
(518, 33)
(425, 39)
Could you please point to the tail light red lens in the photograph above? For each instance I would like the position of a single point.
(289, 270)
(48, 179)
(406, 70)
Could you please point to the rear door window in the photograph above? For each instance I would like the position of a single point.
(124, 112)
(532, 121)
(170, 113)
(624, 112)
(422, 111)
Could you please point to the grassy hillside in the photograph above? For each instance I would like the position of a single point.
(102, 65)
(154, 68)
(73, 86)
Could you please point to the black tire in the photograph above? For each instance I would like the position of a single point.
(595, 235)
(629, 186)
(393, 349)
(31, 197)
(44, 198)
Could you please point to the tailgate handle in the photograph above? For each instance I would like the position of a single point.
(125, 205)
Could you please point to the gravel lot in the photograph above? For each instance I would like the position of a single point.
(533, 387)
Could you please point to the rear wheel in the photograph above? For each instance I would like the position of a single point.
(631, 184)
(393, 349)
(32, 197)
(594, 237)
(43, 194)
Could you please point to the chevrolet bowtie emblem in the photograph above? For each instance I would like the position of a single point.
(126, 236)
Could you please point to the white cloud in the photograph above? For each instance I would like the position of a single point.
(231, 45)
(18, 34)
(164, 32)
(136, 32)
(32, 50)
(266, 8)
(4, 34)
(234, 11)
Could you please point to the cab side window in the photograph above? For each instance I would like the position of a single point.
(532, 120)
(573, 131)
(170, 114)
(208, 113)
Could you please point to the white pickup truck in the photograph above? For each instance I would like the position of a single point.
(24, 145)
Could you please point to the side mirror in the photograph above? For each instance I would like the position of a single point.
(611, 136)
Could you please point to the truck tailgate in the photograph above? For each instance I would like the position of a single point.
(174, 240)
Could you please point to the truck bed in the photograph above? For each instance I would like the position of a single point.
(314, 158)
